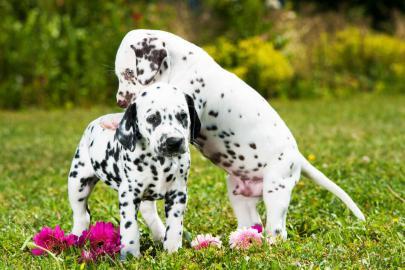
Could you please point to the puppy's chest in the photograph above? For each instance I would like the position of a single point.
(153, 176)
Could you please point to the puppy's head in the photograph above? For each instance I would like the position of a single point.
(142, 58)
(164, 116)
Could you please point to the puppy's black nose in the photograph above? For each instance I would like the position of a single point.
(174, 144)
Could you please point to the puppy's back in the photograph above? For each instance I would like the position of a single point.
(96, 138)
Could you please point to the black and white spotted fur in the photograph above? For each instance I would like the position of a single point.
(240, 131)
(146, 159)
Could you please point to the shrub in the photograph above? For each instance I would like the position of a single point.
(240, 18)
(61, 53)
(255, 61)
(362, 61)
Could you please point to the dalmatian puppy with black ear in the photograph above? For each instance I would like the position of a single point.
(146, 159)
(240, 131)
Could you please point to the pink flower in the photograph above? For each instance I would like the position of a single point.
(258, 228)
(87, 256)
(205, 241)
(103, 239)
(53, 240)
(245, 238)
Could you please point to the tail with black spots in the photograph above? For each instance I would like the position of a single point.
(318, 177)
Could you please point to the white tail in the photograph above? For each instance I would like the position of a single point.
(318, 177)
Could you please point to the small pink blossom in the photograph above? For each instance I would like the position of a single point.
(102, 238)
(245, 238)
(205, 241)
(53, 240)
(87, 256)
(258, 228)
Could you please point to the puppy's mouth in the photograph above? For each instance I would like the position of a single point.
(168, 153)
(126, 101)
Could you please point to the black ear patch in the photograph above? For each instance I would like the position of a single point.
(127, 130)
(195, 124)
(151, 57)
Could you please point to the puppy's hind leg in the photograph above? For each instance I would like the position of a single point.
(243, 207)
(278, 184)
(81, 182)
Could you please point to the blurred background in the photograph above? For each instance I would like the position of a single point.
(61, 53)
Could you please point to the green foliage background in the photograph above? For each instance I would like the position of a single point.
(61, 53)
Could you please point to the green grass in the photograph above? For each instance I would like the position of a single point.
(359, 143)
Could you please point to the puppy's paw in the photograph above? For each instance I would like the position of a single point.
(275, 236)
(172, 246)
(158, 232)
(129, 251)
(80, 226)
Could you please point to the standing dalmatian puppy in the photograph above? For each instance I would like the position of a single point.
(240, 131)
(146, 159)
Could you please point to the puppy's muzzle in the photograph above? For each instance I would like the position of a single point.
(122, 103)
(124, 100)
(173, 146)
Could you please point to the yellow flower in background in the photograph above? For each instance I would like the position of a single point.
(311, 157)
(254, 60)
(240, 71)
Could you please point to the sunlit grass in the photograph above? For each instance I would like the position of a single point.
(359, 143)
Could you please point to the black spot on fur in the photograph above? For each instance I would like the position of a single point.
(77, 155)
(128, 224)
(213, 127)
(153, 170)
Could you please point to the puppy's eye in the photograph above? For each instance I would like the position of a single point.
(154, 119)
(182, 118)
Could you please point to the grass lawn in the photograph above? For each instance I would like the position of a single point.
(359, 143)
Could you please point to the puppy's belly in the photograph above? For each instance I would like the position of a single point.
(248, 188)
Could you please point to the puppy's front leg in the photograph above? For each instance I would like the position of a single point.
(129, 204)
(152, 219)
(175, 206)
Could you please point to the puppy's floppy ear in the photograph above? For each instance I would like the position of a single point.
(127, 130)
(151, 58)
(195, 124)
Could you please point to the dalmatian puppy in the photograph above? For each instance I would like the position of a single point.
(146, 159)
(240, 131)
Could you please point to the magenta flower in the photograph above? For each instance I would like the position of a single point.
(245, 238)
(205, 241)
(102, 238)
(53, 240)
(258, 228)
